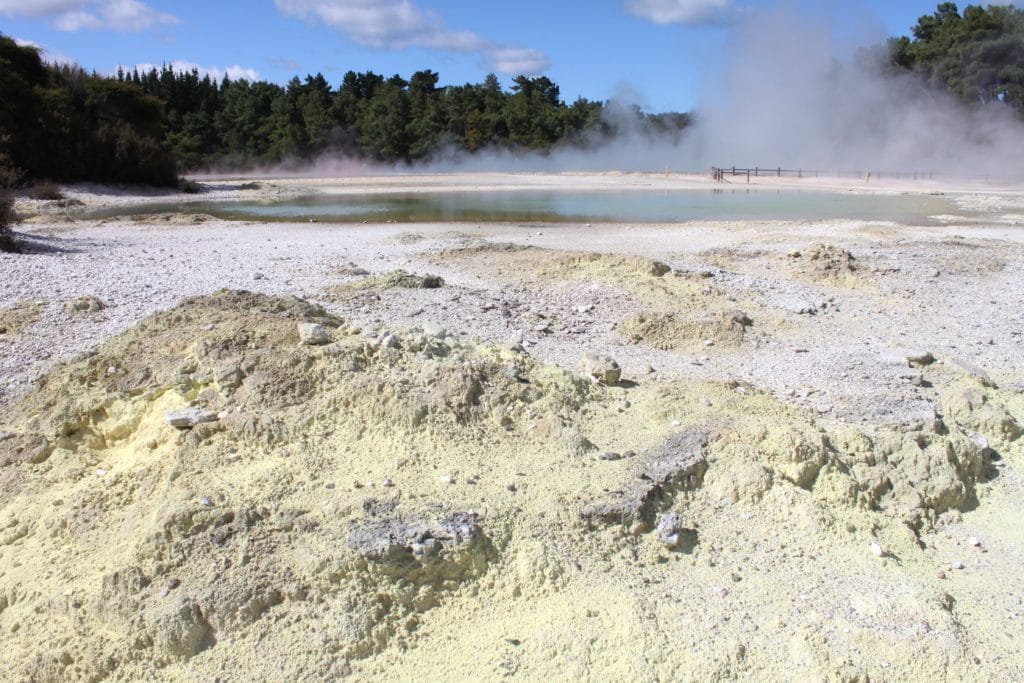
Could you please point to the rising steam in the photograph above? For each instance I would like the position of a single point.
(785, 98)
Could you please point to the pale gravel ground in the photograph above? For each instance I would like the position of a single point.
(851, 364)
(959, 298)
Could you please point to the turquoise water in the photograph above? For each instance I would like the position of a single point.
(590, 206)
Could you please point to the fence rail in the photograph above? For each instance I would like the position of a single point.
(719, 173)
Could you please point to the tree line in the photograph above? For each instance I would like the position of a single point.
(237, 123)
(62, 123)
(977, 55)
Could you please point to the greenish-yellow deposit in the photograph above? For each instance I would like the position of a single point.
(19, 316)
(395, 279)
(410, 506)
(682, 311)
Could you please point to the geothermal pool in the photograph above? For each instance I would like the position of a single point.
(574, 206)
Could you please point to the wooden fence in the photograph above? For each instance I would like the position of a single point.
(719, 173)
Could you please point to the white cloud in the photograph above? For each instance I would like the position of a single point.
(47, 55)
(690, 12)
(399, 24)
(216, 73)
(515, 60)
(75, 15)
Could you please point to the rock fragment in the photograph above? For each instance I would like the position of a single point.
(678, 465)
(668, 529)
(433, 330)
(314, 334)
(601, 368)
(186, 418)
(919, 359)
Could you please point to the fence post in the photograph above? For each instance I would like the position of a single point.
(779, 172)
(799, 173)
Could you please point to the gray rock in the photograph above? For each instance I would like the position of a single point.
(919, 359)
(651, 485)
(186, 418)
(434, 330)
(973, 371)
(602, 368)
(668, 529)
(395, 539)
(314, 334)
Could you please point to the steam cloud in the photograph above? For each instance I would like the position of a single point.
(785, 99)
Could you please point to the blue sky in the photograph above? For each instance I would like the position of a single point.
(662, 54)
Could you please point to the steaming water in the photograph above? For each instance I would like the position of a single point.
(553, 207)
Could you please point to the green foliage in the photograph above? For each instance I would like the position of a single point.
(8, 176)
(6, 218)
(238, 123)
(46, 190)
(977, 55)
(65, 124)
(59, 122)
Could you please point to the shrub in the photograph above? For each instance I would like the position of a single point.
(46, 190)
(189, 186)
(6, 218)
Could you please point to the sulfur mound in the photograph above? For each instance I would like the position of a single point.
(679, 332)
(824, 262)
(19, 316)
(205, 496)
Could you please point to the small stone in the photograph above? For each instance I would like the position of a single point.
(957, 565)
(974, 541)
(434, 330)
(610, 456)
(206, 502)
(173, 583)
(668, 529)
(447, 479)
(940, 574)
(357, 484)
(186, 418)
(512, 487)
(314, 334)
(876, 548)
(601, 368)
(920, 359)
(258, 276)
(512, 371)
(329, 486)
(387, 483)
(389, 341)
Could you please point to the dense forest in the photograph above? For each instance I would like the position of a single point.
(978, 55)
(61, 123)
(238, 123)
